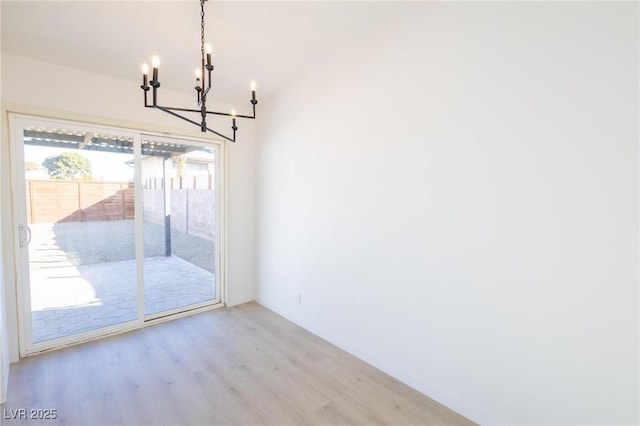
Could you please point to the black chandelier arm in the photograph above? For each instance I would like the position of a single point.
(146, 90)
(225, 114)
(182, 109)
(203, 97)
(168, 111)
(223, 136)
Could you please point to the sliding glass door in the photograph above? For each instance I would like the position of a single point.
(114, 228)
(179, 193)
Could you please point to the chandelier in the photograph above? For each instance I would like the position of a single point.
(203, 86)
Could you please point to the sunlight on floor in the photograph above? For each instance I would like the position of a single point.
(61, 288)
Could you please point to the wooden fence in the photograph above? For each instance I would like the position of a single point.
(51, 201)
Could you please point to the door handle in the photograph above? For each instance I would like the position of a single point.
(25, 235)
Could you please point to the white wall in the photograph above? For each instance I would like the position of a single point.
(4, 333)
(455, 195)
(4, 327)
(44, 88)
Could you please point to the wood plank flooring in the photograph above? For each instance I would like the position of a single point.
(238, 366)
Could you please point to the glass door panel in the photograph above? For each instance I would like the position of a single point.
(80, 207)
(179, 195)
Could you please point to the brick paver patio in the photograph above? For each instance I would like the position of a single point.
(72, 299)
(68, 297)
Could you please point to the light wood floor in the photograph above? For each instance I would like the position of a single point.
(238, 366)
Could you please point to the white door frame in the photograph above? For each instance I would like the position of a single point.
(17, 123)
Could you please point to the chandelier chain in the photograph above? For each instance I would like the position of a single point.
(202, 27)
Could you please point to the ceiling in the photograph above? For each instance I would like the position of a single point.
(269, 42)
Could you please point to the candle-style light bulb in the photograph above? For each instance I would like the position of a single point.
(208, 51)
(155, 62)
(253, 93)
(145, 72)
(198, 83)
(233, 113)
